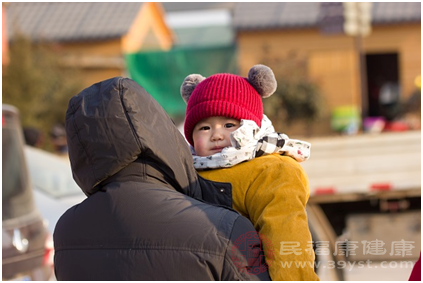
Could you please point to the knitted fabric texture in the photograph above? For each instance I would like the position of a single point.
(225, 95)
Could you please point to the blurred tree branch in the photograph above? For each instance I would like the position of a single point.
(38, 84)
(297, 98)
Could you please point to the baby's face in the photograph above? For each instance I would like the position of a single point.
(212, 134)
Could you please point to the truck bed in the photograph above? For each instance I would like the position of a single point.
(365, 164)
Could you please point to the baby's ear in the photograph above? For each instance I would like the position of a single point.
(189, 84)
(263, 80)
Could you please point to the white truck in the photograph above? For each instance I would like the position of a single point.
(365, 205)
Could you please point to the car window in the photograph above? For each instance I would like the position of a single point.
(17, 199)
(51, 174)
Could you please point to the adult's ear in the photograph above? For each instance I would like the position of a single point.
(189, 84)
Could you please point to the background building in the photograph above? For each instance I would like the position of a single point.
(92, 36)
(392, 51)
(158, 44)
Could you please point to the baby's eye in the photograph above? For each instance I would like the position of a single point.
(229, 125)
(204, 128)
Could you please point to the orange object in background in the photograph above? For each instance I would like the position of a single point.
(5, 43)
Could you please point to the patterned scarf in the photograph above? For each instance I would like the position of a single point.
(250, 141)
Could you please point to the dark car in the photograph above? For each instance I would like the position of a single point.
(27, 248)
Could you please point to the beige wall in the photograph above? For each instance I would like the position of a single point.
(100, 60)
(101, 48)
(96, 61)
(332, 60)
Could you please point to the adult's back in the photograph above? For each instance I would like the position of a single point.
(146, 216)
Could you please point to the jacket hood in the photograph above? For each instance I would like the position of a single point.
(114, 122)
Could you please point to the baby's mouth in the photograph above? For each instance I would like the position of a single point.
(217, 148)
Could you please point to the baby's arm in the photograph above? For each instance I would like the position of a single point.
(276, 203)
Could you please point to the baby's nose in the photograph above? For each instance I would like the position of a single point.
(217, 136)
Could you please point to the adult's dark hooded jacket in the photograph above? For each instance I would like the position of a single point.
(147, 215)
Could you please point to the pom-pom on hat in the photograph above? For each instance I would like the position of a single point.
(226, 95)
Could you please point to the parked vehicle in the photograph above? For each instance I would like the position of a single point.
(26, 243)
(365, 205)
(54, 188)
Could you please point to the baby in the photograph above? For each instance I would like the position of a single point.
(225, 127)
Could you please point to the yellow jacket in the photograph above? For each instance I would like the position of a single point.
(272, 191)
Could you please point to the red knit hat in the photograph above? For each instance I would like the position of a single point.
(226, 95)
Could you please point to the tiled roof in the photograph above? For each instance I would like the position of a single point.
(71, 21)
(75, 21)
(394, 12)
(275, 14)
(253, 15)
(196, 6)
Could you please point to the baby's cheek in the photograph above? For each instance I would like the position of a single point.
(199, 146)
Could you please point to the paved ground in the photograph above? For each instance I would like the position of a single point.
(375, 272)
